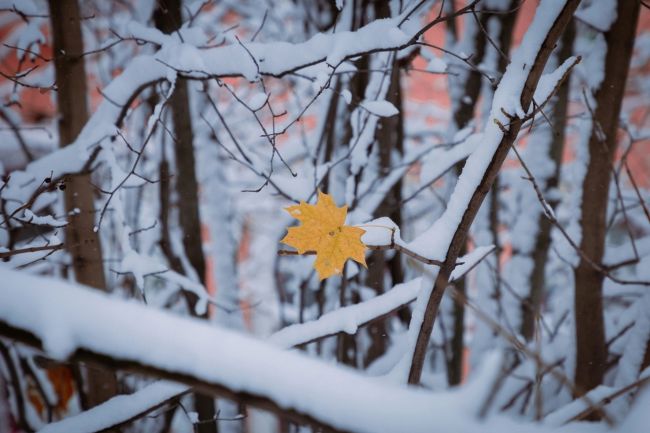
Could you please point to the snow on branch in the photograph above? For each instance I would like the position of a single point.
(249, 60)
(349, 319)
(72, 322)
(445, 238)
(119, 409)
(124, 408)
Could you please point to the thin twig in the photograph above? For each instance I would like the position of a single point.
(7, 254)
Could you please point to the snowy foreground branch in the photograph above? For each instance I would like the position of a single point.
(70, 322)
(126, 408)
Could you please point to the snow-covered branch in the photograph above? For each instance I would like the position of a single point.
(349, 319)
(249, 60)
(79, 324)
(446, 237)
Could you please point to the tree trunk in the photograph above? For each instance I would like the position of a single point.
(531, 308)
(389, 136)
(464, 106)
(168, 18)
(591, 350)
(346, 345)
(82, 241)
(464, 113)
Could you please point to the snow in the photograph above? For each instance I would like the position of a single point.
(190, 35)
(637, 420)
(616, 254)
(442, 160)
(371, 198)
(27, 7)
(138, 30)
(347, 96)
(348, 319)
(591, 71)
(437, 65)
(67, 317)
(549, 82)
(30, 39)
(141, 71)
(363, 125)
(276, 58)
(564, 415)
(470, 260)
(46, 220)
(631, 360)
(121, 407)
(141, 266)
(380, 108)
(244, 231)
(40, 142)
(434, 242)
(600, 14)
(193, 417)
(301, 186)
(257, 101)
(382, 31)
(381, 231)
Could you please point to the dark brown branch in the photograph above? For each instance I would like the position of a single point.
(608, 399)
(458, 240)
(7, 254)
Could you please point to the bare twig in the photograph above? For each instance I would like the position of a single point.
(7, 254)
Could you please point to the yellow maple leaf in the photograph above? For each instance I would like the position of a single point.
(324, 232)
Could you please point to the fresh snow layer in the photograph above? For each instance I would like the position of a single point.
(380, 108)
(174, 57)
(348, 319)
(67, 317)
(435, 241)
(121, 407)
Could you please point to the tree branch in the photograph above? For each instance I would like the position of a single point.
(481, 189)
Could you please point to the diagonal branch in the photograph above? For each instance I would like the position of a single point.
(531, 57)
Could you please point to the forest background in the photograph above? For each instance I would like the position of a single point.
(495, 154)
